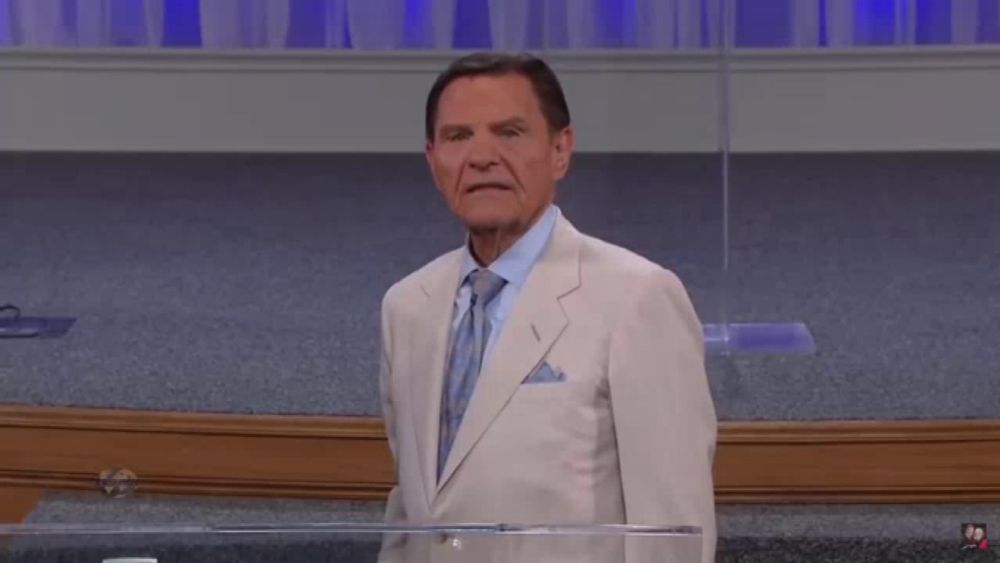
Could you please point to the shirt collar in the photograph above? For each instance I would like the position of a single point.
(516, 262)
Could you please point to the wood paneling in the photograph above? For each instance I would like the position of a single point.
(872, 461)
(16, 503)
(288, 456)
(347, 457)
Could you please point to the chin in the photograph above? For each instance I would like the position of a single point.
(488, 221)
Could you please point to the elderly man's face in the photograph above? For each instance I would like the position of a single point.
(493, 156)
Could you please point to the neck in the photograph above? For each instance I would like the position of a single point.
(487, 245)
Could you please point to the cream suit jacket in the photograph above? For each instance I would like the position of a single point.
(628, 437)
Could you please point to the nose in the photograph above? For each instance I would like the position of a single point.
(483, 153)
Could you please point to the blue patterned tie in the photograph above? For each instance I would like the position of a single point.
(466, 359)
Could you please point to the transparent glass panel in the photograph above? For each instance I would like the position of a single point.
(860, 213)
(213, 229)
(354, 543)
(200, 252)
(643, 82)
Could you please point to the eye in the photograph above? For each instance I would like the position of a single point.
(457, 136)
(510, 132)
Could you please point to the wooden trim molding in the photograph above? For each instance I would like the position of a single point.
(935, 461)
(347, 457)
(195, 453)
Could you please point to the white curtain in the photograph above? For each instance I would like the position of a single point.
(906, 22)
(442, 23)
(964, 21)
(657, 23)
(507, 24)
(839, 23)
(228, 24)
(678, 24)
(714, 10)
(40, 22)
(376, 24)
(97, 23)
(581, 23)
(805, 20)
(336, 23)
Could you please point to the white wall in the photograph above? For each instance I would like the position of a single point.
(180, 100)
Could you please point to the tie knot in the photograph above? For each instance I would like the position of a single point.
(485, 286)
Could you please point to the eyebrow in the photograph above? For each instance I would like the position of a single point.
(513, 121)
(459, 127)
(446, 129)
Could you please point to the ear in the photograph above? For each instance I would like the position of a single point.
(429, 156)
(429, 153)
(563, 143)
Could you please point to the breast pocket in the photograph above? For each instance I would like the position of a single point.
(553, 426)
(562, 405)
(556, 392)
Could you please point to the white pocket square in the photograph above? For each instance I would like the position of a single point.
(545, 374)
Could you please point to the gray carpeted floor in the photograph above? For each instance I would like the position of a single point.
(239, 283)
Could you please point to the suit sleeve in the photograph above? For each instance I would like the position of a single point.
(395, 513)
(665, 422)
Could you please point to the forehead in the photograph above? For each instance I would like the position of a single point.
(488, 97)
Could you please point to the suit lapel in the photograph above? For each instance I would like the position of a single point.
(430, 350)
(534, 325)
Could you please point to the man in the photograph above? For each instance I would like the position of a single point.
(536, 375)
(969, 542)
(979, 536)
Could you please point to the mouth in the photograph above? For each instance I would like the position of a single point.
(487, 187)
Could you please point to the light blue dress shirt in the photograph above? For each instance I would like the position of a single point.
(513, 265)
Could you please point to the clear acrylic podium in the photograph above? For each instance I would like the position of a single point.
(346, 543)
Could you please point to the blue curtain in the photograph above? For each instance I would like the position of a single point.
(758, 23)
